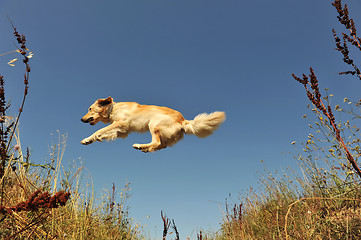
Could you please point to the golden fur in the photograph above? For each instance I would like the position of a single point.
(167, 126)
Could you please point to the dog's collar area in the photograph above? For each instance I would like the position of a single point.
(110, 109)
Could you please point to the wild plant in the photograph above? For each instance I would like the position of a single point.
(8, 126)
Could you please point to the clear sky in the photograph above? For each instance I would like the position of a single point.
(192, 55)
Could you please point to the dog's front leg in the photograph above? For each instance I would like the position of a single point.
(111, 132)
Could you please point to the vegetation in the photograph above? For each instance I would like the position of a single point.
(324, 202)
(42, 201)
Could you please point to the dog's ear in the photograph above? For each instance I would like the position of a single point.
(104, 102)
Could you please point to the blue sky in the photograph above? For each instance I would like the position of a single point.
(194, 56)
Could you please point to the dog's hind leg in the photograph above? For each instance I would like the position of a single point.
(154, 145)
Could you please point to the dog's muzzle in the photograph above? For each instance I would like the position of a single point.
(89, 120)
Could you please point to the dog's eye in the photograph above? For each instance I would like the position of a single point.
(90, 109)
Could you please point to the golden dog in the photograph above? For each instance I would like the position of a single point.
(167, 126)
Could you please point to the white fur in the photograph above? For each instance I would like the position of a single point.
(204, 124)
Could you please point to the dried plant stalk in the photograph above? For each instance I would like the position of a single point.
(315, 98)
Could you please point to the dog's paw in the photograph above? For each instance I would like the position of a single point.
(141, 147)
(87, 141)
(138, 146)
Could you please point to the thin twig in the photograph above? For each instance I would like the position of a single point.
(166, 224)
(21, 41)
(175, 230)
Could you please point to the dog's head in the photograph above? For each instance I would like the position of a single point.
(99, 111)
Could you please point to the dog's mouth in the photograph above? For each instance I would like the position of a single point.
(90, 120)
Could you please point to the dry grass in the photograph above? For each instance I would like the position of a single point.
(322, 201)
(26, 211)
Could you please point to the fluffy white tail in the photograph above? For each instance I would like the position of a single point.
(204, 124)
